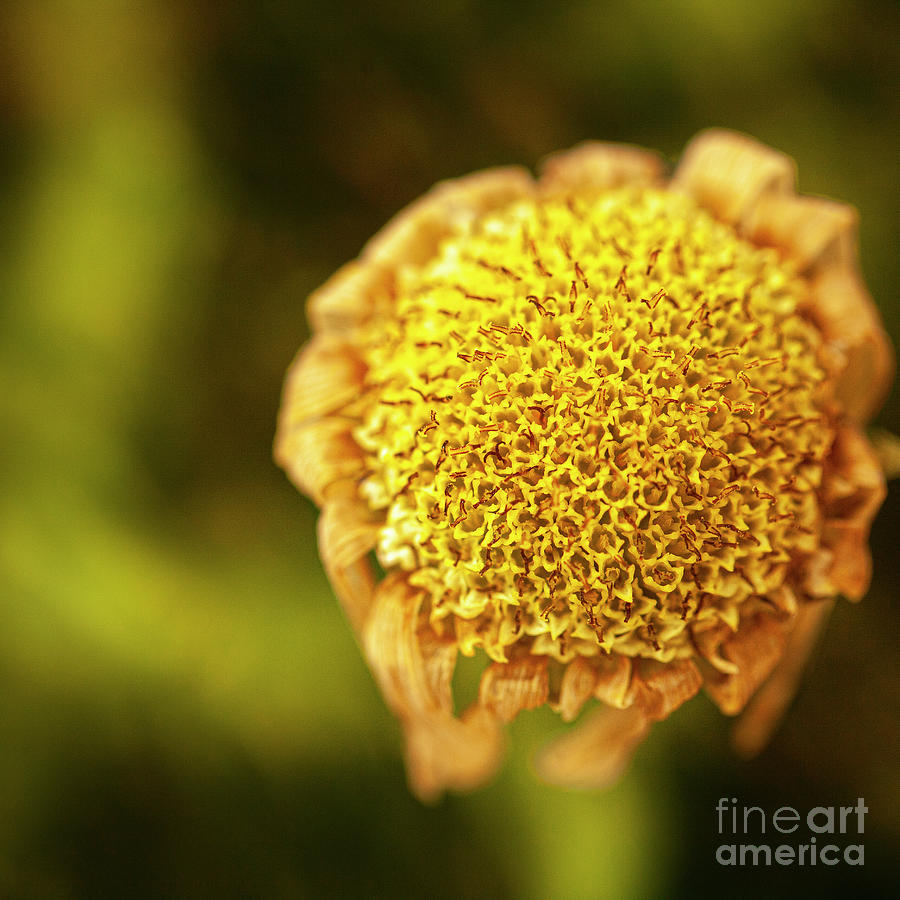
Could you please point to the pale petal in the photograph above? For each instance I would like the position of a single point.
(765, 710)
(709, 642)
(843, 309)
(595, 753)
(347, 535)
(325, 376)
(392, 648)
(578, 683)
(728, 172)
(508, 688)
(660, 688)
(445, 753)
(810, 231)
(413, 672)
(614, 680)
(596, 165)
(318, 454)
(414, 234)
(439, 657)
(855, 490)
(348, 298)
(754, 649)
(887, 449)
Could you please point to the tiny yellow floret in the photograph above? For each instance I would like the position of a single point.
(593, 423)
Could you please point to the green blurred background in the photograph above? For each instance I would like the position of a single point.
(183, 711)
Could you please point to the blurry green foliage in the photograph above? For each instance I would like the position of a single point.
(184, 712)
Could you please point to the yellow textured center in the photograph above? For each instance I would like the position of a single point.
(594, 425)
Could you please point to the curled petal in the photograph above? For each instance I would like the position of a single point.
(508, 688)
(754, 649)
(578, 683)
(413, 671)
(439, 657)
(348, 298)
(851, 563)
(596, 752)
(346, 535)
(614, 680)
(844, 311)
(318, 454)
(856, 490)
(446, 753)
(708, 642)
(811, 231)
(392, 647)
(759, 720)
(887, 449)
(595, 165)
(413, 235)
(728, 173)
(326, 375)
(660, 688)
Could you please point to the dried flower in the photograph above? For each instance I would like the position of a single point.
(604, 429)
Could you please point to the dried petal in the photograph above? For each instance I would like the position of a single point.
(413, 235)
(754, 649)
(442, 751)
(596, 165)
(762, 715)
(326, 375)
(348, 298)
(614, 680)
(346, 535)
(854, 494)
(810, 231)
(318, 454)
(445, 753)
(578, 683)
(508, 688)
(728, 173)
(596, 752)
(844, 311)
(660, 688)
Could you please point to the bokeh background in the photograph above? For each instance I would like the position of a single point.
(183, 711)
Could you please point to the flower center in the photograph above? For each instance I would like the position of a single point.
(595, 425)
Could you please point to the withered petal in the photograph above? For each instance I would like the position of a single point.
(855, 491)
(318, 454)
(414, 234)
(443, 752)
(346, 535)
(614, 680)
(595, 753)
(755, 649)
(325, 376)
(392, 647)
(729, 172)
(844, 311)
(709, 642)
(811, 231)
(348, 298)
(578, 683)
(439, 657)
(508, 688)
(887, 449)
(597, 165)
(446, 753)
(765, 710)
(660, 688)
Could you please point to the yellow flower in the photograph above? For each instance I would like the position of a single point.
(603, 428)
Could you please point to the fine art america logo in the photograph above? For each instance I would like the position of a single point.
(821, 836)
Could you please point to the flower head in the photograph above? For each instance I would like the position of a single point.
(604, 429)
